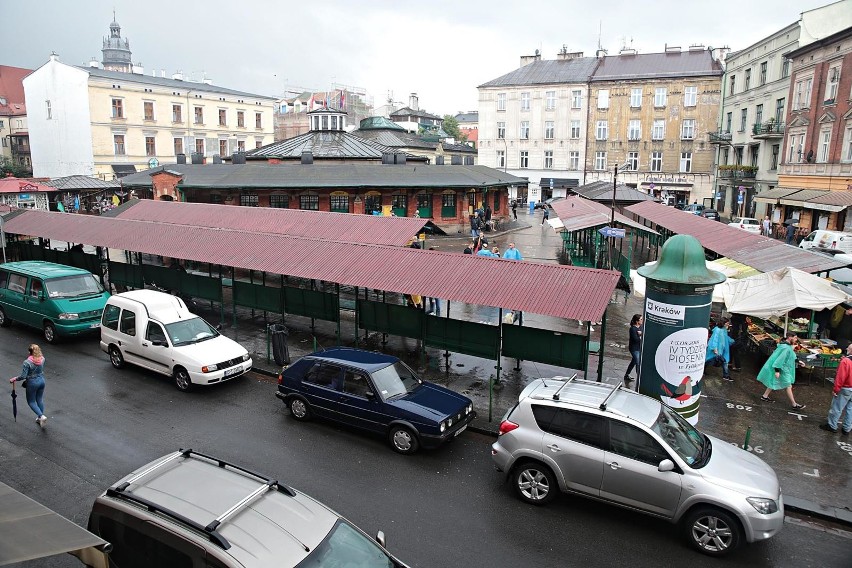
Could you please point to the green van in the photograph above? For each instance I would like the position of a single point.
(61, 300)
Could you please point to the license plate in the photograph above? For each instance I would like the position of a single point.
(460, 430)
(235, 371)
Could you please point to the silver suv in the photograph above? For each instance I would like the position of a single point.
(615, 445)
(188, 509)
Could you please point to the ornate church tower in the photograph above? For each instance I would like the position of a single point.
(116, 51)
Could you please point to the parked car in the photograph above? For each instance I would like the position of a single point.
(374, 392)
(694, 208)
(618, 446)
(711, 214)
(190, 509)
(157, 331)
(828, 240)
(58, 299)
(749, 224)
(839, 275)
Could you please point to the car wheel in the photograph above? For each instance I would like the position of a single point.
(182, 380)
(299, 409)
(712, 531)
(403, 440)
(534, 483)
(49, 332)
(4, 319)
(115, 357)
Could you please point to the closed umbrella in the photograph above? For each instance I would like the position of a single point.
(14, 403)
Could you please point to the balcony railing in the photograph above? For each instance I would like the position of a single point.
(743, 172)
(720, 137)
(768, 130)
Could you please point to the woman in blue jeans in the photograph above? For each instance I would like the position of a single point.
(33, 373)
(634, 346)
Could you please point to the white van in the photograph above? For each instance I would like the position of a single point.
(828, 240)
(156, 331)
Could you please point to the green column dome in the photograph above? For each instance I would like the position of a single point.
(682, 262)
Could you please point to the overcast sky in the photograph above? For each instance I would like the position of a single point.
(440, 49)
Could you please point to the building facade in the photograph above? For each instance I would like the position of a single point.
(14, 133)
(649, 115)
(533, 121)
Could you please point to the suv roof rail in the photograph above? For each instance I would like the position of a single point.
(614, 390)
(565, 384)
(120, 492)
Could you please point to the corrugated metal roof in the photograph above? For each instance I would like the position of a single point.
(329, 176)
(757, 251)
(577, 213)
(167, 82)
(548, 289)
(803, 195)
(602, 190)
(17, 185)
(70, 183)
(549, 72)
(323, 144)
(394, 138)
(831, 201)
(657, 65)
(408, 111)
(772, 195)
(365, 229)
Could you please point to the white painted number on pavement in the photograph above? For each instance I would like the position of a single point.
(738, 406)
(845, 446)
(814, 474)
(755, 449)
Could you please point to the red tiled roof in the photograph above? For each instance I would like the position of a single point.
(12, 87)
(757, 251)
(366, 229)
(548, 289)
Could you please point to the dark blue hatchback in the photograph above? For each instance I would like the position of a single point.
(375, 392)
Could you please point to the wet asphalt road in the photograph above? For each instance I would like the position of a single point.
(440, 508)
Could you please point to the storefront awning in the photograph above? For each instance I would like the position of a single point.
(773, 195)
(831, 201)
(800, 197)
(122, 170)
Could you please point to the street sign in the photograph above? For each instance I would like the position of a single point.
(612, 232)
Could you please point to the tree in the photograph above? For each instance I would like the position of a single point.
(7, 167)
(451, 127)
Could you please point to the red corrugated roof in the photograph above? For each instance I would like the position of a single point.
(367, 229)
(757, 251)
(578, 213)
(16, 185)
(548, 289)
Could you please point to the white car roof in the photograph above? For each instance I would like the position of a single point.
(162, 307)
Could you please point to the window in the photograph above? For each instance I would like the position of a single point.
(600, 160)
(549, 128)
(241, 145)
(656, 161)
(574, 160)
(199, 115)
(223, 147)
(501, 101)
(127, 323)
(525, 101)
(660, 97)
(548, 159)
(686, 162)
(577, 426)
(758, 114)
(151, 546)
(687, 129)
(525, 159)
(283, 201)
(633, 161)
(550, 100)
(575, 129)
(339, 203)
(178, 146)
(755, 155)
(199, 146)
(738, 155)
(501, 158)
(176, 113)
(763, 68)
(117, 108)
(17, 283)
(785, 68)
(808, 85)
(603, 98)
(258, 144)
(743, 119)
(525, 130)
(729, 118)
(601, 130)
(747, 85)
(779, 111)
(690, 96)
(148, 110)
(501, 130)
(733, 85)
(725, 155)
(324, 375)
(776, 150)
(355, 384)
(47, 109)
(150, 146)
(249, 200)
(223, 117)
(448, 205)
(631, 442)
(155, 332)
(258, 120)
(635, 98)
(576, 98)
(797, 143)
(399, 201)
(110, 316)
(241, 119)
(824, 141)
(659, 131)
(847, 153)
(118, 144)
(634, 130)
(833, 82)
(310, 202)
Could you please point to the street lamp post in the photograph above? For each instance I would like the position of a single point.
(614, 185)
(2, 238)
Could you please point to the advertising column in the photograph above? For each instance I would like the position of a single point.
(678, 295)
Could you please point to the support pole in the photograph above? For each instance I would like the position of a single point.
(601, 347)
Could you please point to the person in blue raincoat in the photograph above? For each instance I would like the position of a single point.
(719, 345)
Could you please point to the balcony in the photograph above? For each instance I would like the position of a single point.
(18, 149)
(720, 137)
(768, 130)
(737, 172)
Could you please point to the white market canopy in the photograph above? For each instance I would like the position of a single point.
(780, 291)
(639, 280)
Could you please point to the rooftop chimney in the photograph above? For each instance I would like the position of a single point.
(627, 51)
(178, 76)
(413, 102)
(138, 69)
(54, 56)
(564, 54)
(527, 59)
(94, 63)
(696, 47)
(672, 48)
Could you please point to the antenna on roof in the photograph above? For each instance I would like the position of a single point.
(600, 29)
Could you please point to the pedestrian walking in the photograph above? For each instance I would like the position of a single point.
(842, 399)
(512, 253)
(791, 232)
(515, 209)
(779, 371)
(719, 348)
(488, 213)
(32, 374)
(737, 332)
(634, 346)
(474, 226)
(767, 227)
(546, 215)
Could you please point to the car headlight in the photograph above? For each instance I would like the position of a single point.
(209, 368)
(469, 409)
(443, 426)
(763, 506)
(449, 422)
(246, 357)
(65, 316)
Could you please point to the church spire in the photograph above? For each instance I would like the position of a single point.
(116, 52)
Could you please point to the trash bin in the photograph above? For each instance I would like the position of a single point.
(280, 353)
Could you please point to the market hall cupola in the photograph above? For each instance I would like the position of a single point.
(116, 51)
(327, 120)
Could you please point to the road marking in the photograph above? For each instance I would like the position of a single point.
(814, 474)
(799, 415)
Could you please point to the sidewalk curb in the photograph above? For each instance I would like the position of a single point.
(837, 515)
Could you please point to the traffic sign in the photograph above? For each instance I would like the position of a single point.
(612, 232)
